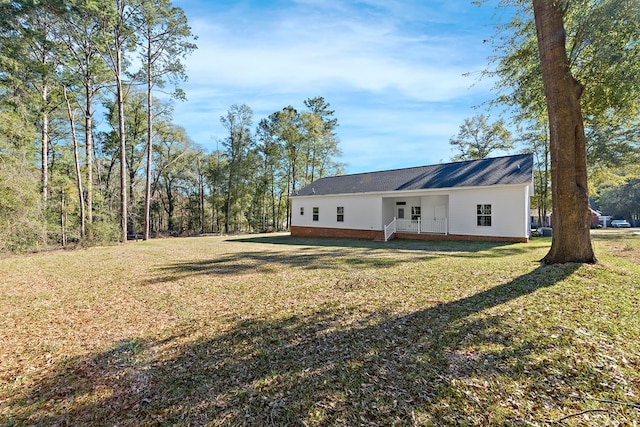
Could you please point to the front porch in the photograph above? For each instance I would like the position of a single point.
(415, 226)
(420, 214)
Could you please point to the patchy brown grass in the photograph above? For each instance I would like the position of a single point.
(274, 330)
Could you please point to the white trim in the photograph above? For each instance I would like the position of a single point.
(389, 230)
(400, 193)
(374, 211)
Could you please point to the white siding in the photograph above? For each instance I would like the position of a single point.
(361, 212)
(509, 211)
(435, 207)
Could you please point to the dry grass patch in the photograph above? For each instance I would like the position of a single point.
(274, 330)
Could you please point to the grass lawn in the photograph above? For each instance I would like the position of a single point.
(273, 330)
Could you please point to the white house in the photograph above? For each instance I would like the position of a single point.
(486, 199)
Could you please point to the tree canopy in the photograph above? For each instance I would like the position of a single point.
(603, 54)
(87, 156)
(478, 138)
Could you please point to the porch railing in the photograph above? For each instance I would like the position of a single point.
(409, 225)
(436, 226)
(389, 230)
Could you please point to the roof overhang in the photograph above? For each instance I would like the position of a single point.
(424, 191)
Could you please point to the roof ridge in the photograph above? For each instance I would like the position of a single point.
(512, 169)
(426, 166)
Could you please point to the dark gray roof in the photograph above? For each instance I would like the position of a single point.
(506, 170)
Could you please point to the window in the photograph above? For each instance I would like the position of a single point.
(340, 217)
(301, 210)
(484, 215)
(316, 212)
(415, 213)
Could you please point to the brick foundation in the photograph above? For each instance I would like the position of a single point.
(460, 237)
(297, 231)
(350, 233)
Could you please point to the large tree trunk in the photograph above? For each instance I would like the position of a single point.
(170, 208)
(45, 145)
(88, 132)
(147, 186)
(76, 161)
(123, 147)
(201, 193)
(571, 216)
(131, 220)
(227, 215)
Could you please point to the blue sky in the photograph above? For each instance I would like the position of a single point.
(391, 70)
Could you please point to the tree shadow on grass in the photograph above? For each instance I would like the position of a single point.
(328, 254)
(324, 368)
(273, 261)
(447, 246)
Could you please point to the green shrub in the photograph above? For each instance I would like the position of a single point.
(22, 225)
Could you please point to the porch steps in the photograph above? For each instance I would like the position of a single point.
(381, 239)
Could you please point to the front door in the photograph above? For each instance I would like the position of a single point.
(440, 219)
(400, 212)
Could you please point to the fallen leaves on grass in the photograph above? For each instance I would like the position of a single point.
(253, 331)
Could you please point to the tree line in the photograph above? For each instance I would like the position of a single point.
(89, 151)
(251, 177)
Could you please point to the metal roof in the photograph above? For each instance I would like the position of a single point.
(505, 170)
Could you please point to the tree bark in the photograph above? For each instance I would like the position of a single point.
(63, 229)
(201, 191)
(132, 171)
(170, 208)
(45, 144)
(570, 198)
(147, 186)
(76, 161)
(123, 147)
(88, 132)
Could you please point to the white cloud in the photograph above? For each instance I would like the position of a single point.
(392, 70)
(288, 52)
